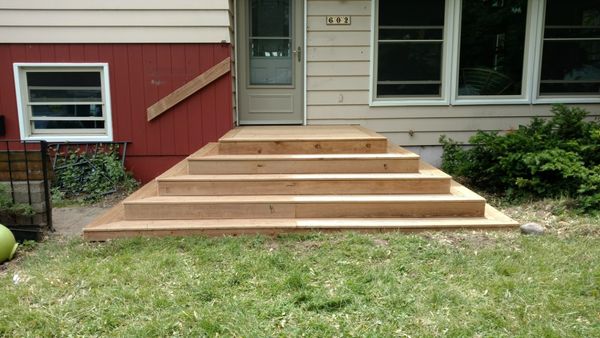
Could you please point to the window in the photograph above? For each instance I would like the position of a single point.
(63, 102)
(410, 48)
(571, 49)
(492, 47)
(485, 52)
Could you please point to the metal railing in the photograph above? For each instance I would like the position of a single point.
(25, 171)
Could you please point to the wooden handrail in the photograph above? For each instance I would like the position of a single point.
(189, 88)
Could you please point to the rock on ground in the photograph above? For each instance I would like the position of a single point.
(532, 229)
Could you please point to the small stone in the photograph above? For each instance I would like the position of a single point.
(532, 229)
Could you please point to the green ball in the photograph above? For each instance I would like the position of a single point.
(8, 244)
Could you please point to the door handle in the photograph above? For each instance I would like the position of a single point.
(298, 53)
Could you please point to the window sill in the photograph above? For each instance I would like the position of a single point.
(67, 138)
(408, 102)
(486, 102)
(489, 101)
(566, 99)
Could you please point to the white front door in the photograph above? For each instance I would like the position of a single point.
(270, 73)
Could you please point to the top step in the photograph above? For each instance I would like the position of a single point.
(302, 140)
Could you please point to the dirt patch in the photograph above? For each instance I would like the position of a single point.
(307, 245)
(381, 242)
(69, 221)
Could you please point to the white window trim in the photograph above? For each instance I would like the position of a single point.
(23, 111)
(535, 90)
(532, 63)
(528, 59)
(446, 68)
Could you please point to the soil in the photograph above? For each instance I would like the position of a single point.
(69, 221)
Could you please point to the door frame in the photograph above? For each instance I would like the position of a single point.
(236, 45)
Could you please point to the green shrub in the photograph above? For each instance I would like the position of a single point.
(547, 158)
(89, 177)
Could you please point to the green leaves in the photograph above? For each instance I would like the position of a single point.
(547, 158)
(90, 177)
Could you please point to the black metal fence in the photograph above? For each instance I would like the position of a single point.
(25, 173)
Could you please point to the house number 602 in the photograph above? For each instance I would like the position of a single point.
(338, 20)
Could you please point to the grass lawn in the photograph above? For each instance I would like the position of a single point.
(370, 285)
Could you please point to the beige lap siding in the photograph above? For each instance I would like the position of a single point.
(338, 68)
(115, 21)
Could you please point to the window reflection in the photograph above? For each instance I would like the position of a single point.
(492, 45)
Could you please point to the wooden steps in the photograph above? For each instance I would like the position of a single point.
(274, 179)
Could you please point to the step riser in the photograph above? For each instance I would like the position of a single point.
(337, 187)
(303, 147)
(190, 211)
(303, 166)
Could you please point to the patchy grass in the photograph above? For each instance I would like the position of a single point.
(451, 284)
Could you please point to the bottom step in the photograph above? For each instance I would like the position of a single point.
(492, 220)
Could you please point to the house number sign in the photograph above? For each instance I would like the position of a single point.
(338, 20)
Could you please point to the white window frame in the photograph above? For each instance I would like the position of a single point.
(20, 69)
(446, 69)
(532, 63)
(528, 59)
(535, 91)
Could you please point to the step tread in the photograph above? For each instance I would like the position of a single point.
(423, 174)
(493, 218)
(299, 133)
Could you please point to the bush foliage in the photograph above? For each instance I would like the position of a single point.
(547, 158)
(89, 177)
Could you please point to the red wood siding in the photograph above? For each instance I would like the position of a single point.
(140, 75)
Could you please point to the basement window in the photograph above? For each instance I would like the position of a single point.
(63, 102)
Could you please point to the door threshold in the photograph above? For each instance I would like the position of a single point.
(271, 122)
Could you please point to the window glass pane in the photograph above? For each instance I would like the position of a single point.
(270, 18)
(418, 33)
(64, 95)
(270, 62)
(409, 62)
(92, 110)
(409, 55)
(270, 43)
(63, 79)
(270, 47)
(492, 46)
(411, 13)
(571, 50)
(407, 89)
(64, 98)
(68, 124)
